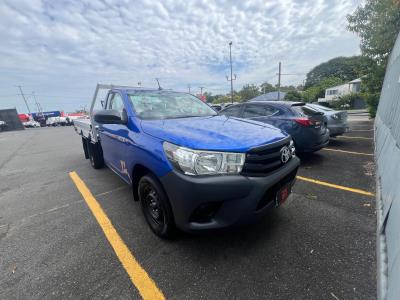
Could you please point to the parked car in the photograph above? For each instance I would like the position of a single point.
(307, 126)
(3, 125)
(189, 167)
(56, 121)
(337, 120)
(216, 107)
(31, 124)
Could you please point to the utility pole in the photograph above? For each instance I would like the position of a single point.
(23, 97)
(37, 104)
(279, 81)
(201, 90)
(189, 87)
(227, 78)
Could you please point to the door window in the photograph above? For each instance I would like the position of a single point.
(116, 102)
(232, 111)
(254, 111)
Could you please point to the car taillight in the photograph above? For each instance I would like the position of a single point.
(304, 121)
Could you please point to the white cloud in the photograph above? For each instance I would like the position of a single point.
(61, 49)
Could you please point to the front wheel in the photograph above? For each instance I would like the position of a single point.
(155, 206)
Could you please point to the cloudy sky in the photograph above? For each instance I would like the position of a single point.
(61, 49)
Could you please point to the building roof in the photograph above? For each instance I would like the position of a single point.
(271, 96)
(357, 80)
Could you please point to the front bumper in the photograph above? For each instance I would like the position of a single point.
(237, 197)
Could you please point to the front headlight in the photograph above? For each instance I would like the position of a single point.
(198, 162)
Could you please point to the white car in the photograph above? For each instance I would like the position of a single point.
(2, 125)
(31, 124)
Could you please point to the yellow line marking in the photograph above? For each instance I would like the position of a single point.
(354, 137)
(350, 152)
(339, 187)
(142, 281)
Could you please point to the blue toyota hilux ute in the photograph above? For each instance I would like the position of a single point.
(189, 167)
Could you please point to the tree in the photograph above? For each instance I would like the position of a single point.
(249, 91)
(318, 91)
(293, 96)
(377, 23)
(288, 88)
(267, 87)
(209, 97)
(344, 68)
(227, 98)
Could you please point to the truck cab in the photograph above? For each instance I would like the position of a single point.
(189, 167)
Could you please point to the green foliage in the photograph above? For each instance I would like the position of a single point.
(209, 97)
(372, 102)
(227, 98)
(248, 92)
(346, 100)
(377, 23)
(267, 88)
(344, 68)
(293, 96)
(288, 88)
(314, 92)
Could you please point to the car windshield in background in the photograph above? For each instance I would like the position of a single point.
(168, 105)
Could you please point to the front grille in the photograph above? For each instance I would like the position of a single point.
(263, 160)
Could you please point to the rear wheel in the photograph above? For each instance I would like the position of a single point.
(95, 155)
(155, 206)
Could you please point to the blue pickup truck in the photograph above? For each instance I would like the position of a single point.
(189, 167)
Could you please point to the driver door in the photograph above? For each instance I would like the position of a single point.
(114, 139)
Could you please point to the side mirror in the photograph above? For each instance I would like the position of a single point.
(111, 116)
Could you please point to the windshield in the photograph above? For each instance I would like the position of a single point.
(168, 105)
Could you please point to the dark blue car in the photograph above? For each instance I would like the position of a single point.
(307, 126)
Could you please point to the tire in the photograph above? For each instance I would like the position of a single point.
(95, 155)
(155, 207)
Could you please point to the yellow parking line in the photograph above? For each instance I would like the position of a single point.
(354, 137)
(350, 152)
(142, 281)
(339, 187)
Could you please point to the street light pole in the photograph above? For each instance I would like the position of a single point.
(231, 79)
(23, 97)
(279, 81)
(37, 103)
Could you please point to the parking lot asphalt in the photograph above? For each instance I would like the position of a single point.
(319, 245)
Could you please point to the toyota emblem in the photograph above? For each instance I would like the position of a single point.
(285, 154)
